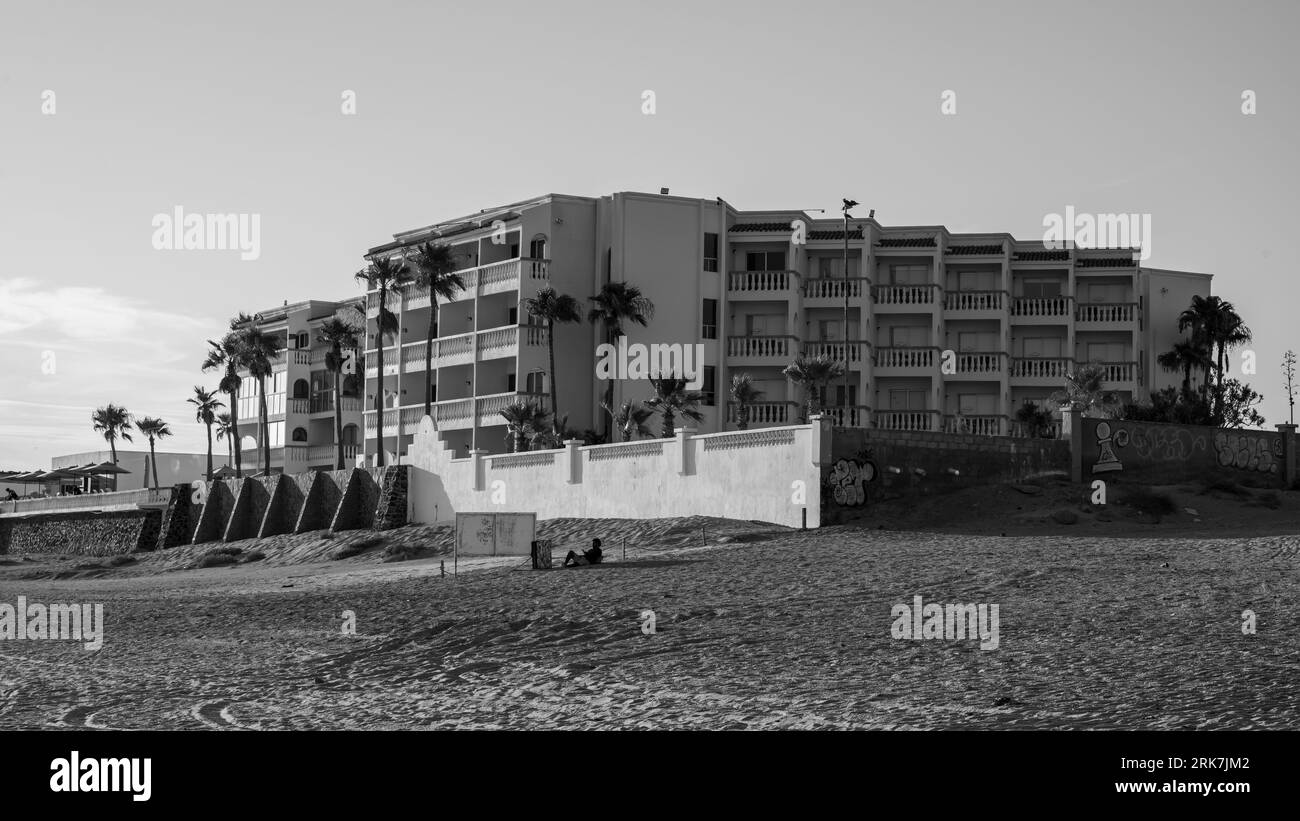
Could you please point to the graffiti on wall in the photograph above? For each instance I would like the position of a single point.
(1247, 451)
(848, 481)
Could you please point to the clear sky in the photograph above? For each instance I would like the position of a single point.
(1111, 107)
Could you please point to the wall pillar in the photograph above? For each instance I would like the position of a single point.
(1288, 454)
(685, 461)
(479, 468)
(821, 439)
(574, 458)
(1072, 432)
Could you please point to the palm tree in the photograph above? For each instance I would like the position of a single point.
(671, 399)
(744, 394)
(340, 334)
(553, 307)
(521, 420)
(435, 269)
(205, 404)
(114, 422)
(154, 429)
(1232, 333)
(1185, 356)
(617, 303)
(630, 419)
(812, 372)
(1085, 388)
(256, 350)
(224, 356)
(226, 430)
(384, 275)
(1034, 421)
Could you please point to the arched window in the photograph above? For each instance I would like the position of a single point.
(537, 247)
(300, 434)
(304, 340)
(350, 435)
(351, 385)
(301, 389)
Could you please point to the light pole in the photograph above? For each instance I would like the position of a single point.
(847, 205)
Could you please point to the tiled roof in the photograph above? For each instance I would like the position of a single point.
(1107, 262)
(856, 233)
(759, 227)
(1043, 256)
(906, 242)
(970, 250)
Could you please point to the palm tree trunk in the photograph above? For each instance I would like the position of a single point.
(235, 444)
(112, 448)
(550, 344)
(230, 449)
(379, 391)
(428, 352)
(153, 460)
(338, 417)
(209, 427)
(264, 419)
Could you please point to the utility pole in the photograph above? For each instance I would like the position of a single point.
(847, 205)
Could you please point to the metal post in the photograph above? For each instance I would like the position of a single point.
(845, 420)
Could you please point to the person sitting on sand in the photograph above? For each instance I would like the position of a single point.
(588, 556)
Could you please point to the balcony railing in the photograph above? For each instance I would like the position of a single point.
(906, 357)
(919, 420)
(1119, 371)
(1050, 306)
(835, 350)
(976, 424)
(766, 413)
(976, 362)
(828, 288)
(493, 277)
(920, 295)
(302, 405)
(452, 413)
(974, 300)
(324, 403)
(328, 453)
(781, 347)
(742, 281)
(1106, 312)
(1041, 367)
(1052, 430)
(854, 416)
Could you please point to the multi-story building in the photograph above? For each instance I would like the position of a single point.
(755, 290)
(300, 393)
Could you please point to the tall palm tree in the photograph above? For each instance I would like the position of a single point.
(256, 350)
(813, 373)
(340, 334)
(553, 307)
(1185, 356)
(154, 429)
(1085, 387)
(114, 422)
(435, 269)
(226, 430)
(384, 274)
(671, 399)
(522, 419)
(1232, 333)
(744, 394)
(629, 419)
(616, 304)
(224, 356)
(205, 404)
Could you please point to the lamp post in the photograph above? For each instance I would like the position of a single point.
(847, 205)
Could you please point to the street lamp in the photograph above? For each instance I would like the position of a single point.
(848, 204)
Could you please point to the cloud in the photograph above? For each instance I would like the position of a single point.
(81, 313)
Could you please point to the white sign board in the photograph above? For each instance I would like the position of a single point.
(495, 534)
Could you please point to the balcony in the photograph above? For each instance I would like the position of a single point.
(1040, 370)
(857, 351)
(318, 454)
(828, 292)
(452, 414)
(854, 416)
(290, 458)
(976, 424)
(1106, 315)
(975, 302)
(1119, 373)
(905, 298)
(324, 403)
(1039, 310)
(484, 280)
(762, 350)
(449, 351)
(302, 405)
(761, 284)
(923, 361)
(980, 365)
(766, 413)
(913, 420)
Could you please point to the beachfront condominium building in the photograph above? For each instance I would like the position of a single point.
(944, 331)
(300, 393)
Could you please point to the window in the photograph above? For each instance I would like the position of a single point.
(765, 261)
(905, 399)
(710, 386)
(832, 267)
(977, 404)
(909, 274)
(300, 389)
(514, 317)
(1106, 352)
(839, 395)
(1112, 293)
(976, 281)
(299, 435)
(535, 382)
(433, 390)
(710, 329)
(304, 341)
(1041, 288)
(765, 325)
(350, 435)
(710, 253)
(537, 247)
(514, 250)
(909, 336)
(510, 383)
(1041, 346)
(981, 341)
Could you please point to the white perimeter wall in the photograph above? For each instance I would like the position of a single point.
(748, 475)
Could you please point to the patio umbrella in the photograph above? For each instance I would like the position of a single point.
(223, 472)
(107, 468)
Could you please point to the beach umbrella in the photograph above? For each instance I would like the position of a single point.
(223, 472)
